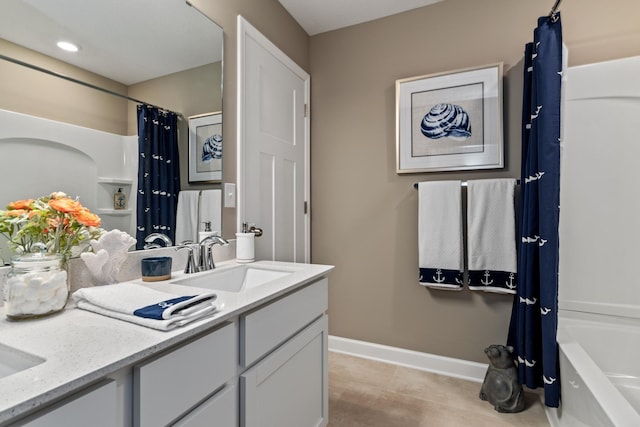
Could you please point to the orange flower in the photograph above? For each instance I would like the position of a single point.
(86, 217)
(21, 204)
(16, 212)
(65, 205)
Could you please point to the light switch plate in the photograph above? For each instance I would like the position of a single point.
(229, 195)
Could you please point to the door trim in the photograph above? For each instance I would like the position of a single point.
(245, 30)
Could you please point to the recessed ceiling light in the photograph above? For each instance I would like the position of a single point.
(68, 46)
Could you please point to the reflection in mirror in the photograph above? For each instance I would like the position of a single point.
(59, 135)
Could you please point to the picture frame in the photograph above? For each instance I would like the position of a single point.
(450, 121)
(205, 147)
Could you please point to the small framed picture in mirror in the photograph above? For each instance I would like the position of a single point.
(205, 147)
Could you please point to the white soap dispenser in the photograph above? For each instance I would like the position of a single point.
(207, 231)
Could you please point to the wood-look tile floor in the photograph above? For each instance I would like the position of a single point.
(366, 393)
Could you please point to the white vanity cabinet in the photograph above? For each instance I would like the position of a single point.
(287, 339)
(187, 384)
(267, 368)
(263, 365)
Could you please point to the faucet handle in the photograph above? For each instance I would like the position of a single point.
(190, 267)
(210, 263)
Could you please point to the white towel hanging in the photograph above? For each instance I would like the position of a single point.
(194, 208)
(211, 209)
(440, 253)
(491, 240)
(187, 216)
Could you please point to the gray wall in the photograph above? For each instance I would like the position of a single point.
(364, 215)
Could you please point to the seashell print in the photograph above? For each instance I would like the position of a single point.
(212, 148)
(446, 120)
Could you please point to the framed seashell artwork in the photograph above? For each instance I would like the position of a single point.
(205, 147)
(450, 121)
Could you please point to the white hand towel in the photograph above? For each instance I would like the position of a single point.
(187, 216)
(440, 234)
(491, 243)
(211, 209)
(145, 306)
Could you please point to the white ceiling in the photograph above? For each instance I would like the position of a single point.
(319, 16)
(128, 41)
(115, 35)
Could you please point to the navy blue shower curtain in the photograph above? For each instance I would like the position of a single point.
(534, 319)
(158, 173)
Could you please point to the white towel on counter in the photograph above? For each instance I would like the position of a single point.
(145, 306)
(187, 216)
(440, 255)
(491, 229)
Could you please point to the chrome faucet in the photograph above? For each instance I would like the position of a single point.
(205, 251)
(151, 238)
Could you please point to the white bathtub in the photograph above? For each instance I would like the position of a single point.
(599, 371)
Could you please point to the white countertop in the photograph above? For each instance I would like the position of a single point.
(80, 347)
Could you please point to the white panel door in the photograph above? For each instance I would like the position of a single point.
(273, 152)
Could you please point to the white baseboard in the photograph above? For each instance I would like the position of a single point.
(457, 368)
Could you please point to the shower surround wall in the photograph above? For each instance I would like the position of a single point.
(599, 298)
(40, 156)
(600, 224)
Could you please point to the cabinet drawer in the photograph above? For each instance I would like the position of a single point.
(220, 410)
(266, 328)
(168, 386)
(95, 406)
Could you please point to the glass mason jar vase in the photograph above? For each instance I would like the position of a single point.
(36, 286)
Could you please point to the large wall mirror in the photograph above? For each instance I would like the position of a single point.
(168, 55)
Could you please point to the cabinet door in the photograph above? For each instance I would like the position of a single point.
(289, 387)
(95, 406)
(220, 410)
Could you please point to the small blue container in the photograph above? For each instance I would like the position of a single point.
(155, 269)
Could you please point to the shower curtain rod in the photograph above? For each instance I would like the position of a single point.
(80, 82)
(554, 9)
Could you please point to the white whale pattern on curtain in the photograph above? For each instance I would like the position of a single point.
(533, 327)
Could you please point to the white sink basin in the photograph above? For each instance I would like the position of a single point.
(235, 279)
(13, 360)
